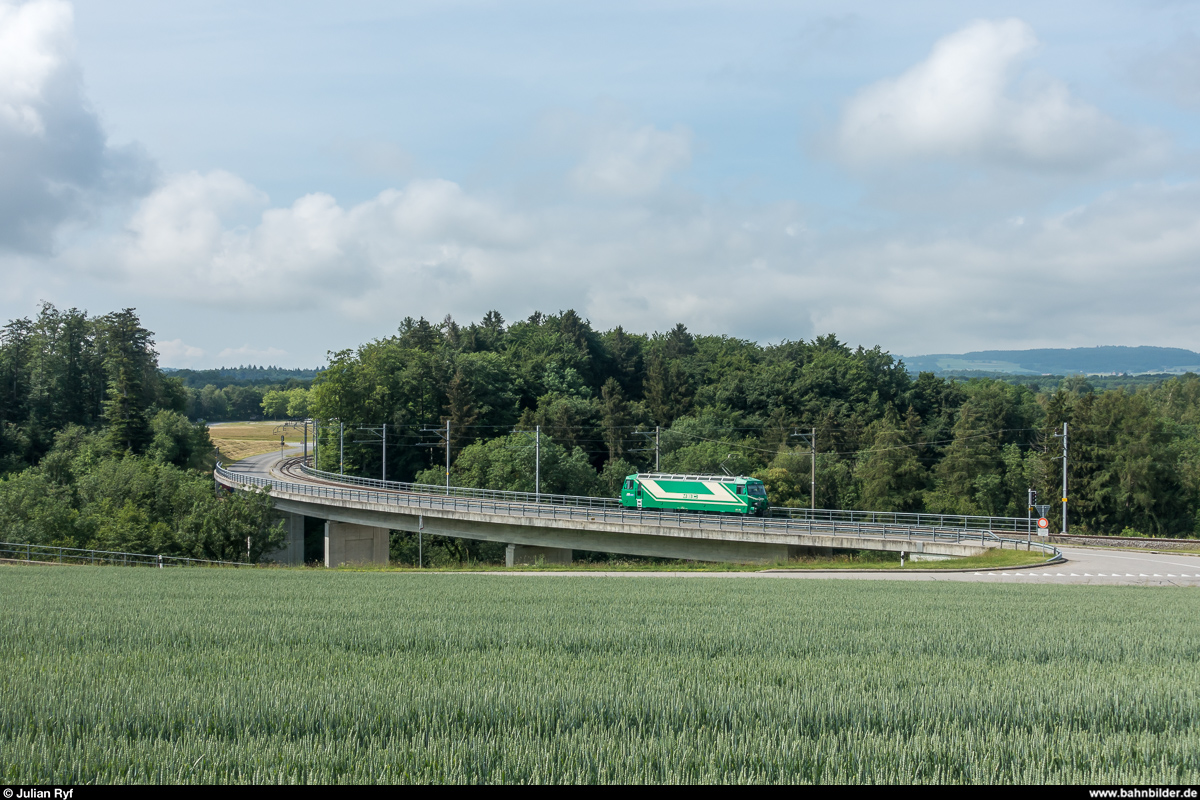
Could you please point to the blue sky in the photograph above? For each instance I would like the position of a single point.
(268, 183)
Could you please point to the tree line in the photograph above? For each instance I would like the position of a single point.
(244, 392)
(96, 449)
(885, 439)
(99, 448)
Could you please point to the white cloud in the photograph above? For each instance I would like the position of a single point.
(964, 102)
(1120, 269)
(621, 244)
(1122, 265)
(212, 238)
(34, 44)
(626, 161)
(177, 353)
(55, 162)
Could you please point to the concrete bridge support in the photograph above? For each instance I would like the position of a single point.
(292, 552)
(529, 554)
(350, 543)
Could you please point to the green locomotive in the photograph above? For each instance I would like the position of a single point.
(721, 494)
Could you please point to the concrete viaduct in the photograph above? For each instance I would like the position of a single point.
(359, 514)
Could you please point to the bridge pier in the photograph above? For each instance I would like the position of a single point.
(351, 543)
(529, 554)
(292, 552)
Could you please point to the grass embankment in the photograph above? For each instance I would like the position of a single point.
(994, 558)
(862, 560)
(263, 676)
(238, 440)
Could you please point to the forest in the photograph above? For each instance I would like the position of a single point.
(96, 449)
(237, 393)
(101, 448)
(885, 439)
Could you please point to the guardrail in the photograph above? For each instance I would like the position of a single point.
(619, 514)
(580, 501)
(44, 554)
(918, 520)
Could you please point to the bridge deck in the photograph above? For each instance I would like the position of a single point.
(607, 527)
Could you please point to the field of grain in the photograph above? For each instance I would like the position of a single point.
(210, 675)
(237, 440)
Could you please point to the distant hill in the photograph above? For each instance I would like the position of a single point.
(239, 376)
(1062, 361)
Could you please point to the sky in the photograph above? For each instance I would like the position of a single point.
(269, 182)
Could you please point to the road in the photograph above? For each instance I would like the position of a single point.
(1084, 565)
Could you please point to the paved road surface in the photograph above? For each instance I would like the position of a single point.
(1108, 568)
(1085, 565)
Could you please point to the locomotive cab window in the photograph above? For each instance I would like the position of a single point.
(740, 490)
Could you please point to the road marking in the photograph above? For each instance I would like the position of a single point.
(1138, 557)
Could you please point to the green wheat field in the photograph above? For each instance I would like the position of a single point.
(115, 675)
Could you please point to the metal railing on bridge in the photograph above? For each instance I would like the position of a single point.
(919, 520)
(409, 498)
(889, 518)
(580, 501)
(48, 554)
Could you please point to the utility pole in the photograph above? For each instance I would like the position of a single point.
(657, 444)
(1031, 496)
(381, 432)
(1063, 436)
(1064, 492)
(812, 448)
(444, 435)
(537, 461)
(812, 502)
(341, 448)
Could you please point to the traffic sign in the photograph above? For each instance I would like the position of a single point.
(1043, 523)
